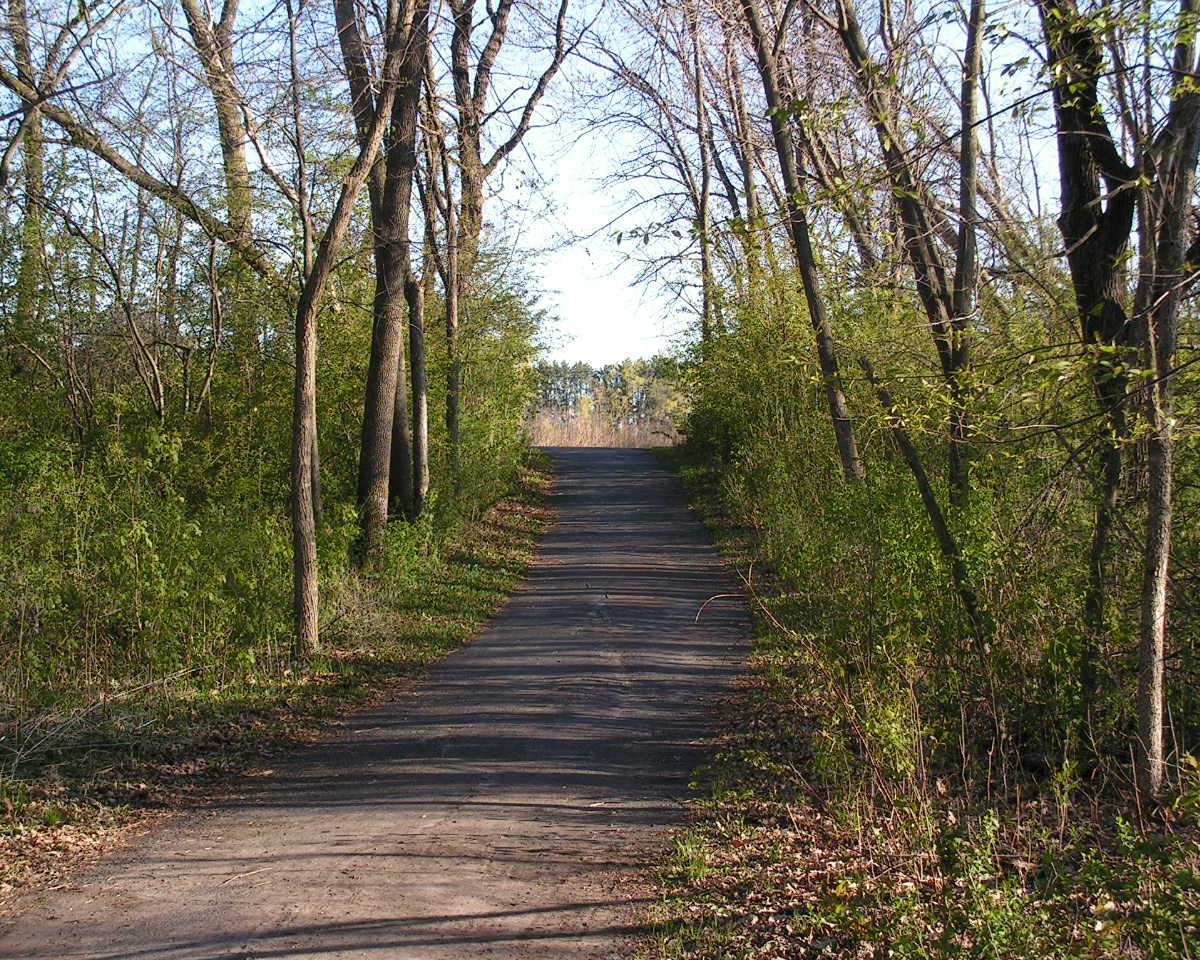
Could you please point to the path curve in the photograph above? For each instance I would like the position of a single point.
(503, 808)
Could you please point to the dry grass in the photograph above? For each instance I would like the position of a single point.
(550, 428)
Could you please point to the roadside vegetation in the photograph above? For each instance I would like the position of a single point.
(89, 766)
(843, 814)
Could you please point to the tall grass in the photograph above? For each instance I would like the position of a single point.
(551, 427)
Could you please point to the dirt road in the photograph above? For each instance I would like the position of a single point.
(504, 808)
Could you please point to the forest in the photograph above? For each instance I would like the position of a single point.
(634, 403)
(269, 358)
(184, 211)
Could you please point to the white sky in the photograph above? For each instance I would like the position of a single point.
(565, 220)
(552, 202)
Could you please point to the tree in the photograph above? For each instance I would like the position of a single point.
(81, 135)
(213, 40)
(797, 221)
(1102, 193)
(947, 297)
(30, 135)
(387, 454)
(472, 83)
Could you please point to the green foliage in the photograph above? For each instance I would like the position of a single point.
(112, 575)
(867, 806)
(860, 572)
(779, 861)
(149, 550)
(498, 344)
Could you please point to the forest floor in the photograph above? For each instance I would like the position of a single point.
(509, 804)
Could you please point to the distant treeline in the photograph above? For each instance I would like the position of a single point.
(634, 403)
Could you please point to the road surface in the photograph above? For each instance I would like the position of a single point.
(506, 807)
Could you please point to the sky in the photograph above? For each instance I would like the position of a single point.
(552, 202)
(559, 208)
(565, 219)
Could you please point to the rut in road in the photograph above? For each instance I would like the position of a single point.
(506, 807)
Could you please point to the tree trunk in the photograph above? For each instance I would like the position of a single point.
(1179, 149)
(400, 474)
(379, 408)
(214, 45)
(1149, 755)
(708, 319)
(382, 432)
(751, 245)
(420, 391)
(454, 371)
(980, 623)
(387, 326)
(438, 199)
(839, 408)
(976, 617)
(29, 273)
(948, 308)
(305, 573)
(305, 589)
(966, 268)
(1095, 226)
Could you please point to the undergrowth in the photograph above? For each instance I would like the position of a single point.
(813, 836)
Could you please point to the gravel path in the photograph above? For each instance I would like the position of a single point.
(506, 807)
